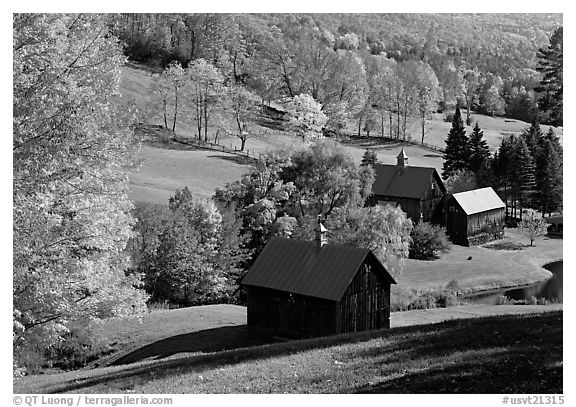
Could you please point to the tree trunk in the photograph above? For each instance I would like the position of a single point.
(175, 108)
(423, 126)
(243, 143)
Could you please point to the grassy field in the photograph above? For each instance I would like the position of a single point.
(505, 263)
(165, 170)
(508, 354)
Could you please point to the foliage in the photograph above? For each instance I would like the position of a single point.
(243, 109)
(206, 84)
(457, 152)
(402, 299)
(428, 241)
(72, 148)
(548, 175)
(384, 229)
(286, 191)
(189, 252)
(479, 150)
(306, 117)
(170, 85)
(550, 64)
(533, 225)
(369, 158)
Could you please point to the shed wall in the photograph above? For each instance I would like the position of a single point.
(366, 303)
(290, 315)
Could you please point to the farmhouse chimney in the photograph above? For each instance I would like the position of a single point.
(402, 159)
(321, 232)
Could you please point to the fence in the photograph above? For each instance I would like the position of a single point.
(208, 145)
(396, 140)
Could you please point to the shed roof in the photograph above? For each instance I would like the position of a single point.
(478, 200)
(407, 182)
(301, 267)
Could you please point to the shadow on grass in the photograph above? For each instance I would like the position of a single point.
(237, 159)
(509, 246)
(206, 341)
(517, 368)
(490, 358)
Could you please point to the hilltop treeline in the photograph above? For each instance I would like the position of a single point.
(486, 62)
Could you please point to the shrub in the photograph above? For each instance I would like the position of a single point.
(402, 299)
(428, 241)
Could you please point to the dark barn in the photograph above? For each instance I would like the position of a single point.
(302, 288)
(417, 190)
(475, 217)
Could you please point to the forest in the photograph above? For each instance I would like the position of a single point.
(84, 253)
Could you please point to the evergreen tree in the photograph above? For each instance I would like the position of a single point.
(521, 173)
(368, 158)
(479, 150)
(457, 152)
(550, 135)
(551, 86)
(548, 178)
(531, 136)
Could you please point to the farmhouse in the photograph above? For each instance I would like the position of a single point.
(418, 190)
(302, 288)
(475, 217)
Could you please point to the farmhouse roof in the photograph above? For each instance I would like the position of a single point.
(301, 267)
(407, 182)
(478, 200)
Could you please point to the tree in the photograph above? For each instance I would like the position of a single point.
(384, 229)
(460, 181)
(72, 150)
(471, 84)
(548, 176)
(533, 226)
(479, 150)
(550, 65)
(521, 172)
(531, 136)
(428, 94)
(242, 106)
(169, 86)
(457, 152)
(493, 103)
(194, 253)
(206, 83)
(428, 241)
(369, 158)
(306, 117)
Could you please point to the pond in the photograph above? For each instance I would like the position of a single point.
(550, 289)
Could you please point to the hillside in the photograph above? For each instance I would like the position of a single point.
(164, 170)
(519, 353)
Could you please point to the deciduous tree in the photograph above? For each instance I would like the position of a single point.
(72, 150)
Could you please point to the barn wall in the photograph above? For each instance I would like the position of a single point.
(290, 315)
(485, 226)
(456, 223)
(465, 229)
(366, 303)
(409, 205)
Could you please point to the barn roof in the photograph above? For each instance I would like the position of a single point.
(301, 267)
(478, 200)
(407, 182)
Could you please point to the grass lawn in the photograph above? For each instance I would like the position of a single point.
(507, 354)
(504, 263)
(165, 170)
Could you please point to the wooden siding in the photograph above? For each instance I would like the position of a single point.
(365, 305)
(429, 205)
(460, 227)
(290, 315)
